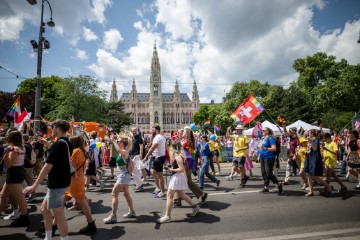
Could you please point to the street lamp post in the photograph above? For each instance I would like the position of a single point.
(39, 47)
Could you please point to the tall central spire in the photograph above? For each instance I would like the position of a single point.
(155, 75)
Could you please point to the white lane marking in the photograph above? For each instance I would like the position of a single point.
(232, 193)
(311, 234)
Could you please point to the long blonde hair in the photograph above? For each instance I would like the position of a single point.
(177, 149)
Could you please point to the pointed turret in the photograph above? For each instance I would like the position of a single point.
(195, 96)
(113, 94)
(176, 91)
(133, 90)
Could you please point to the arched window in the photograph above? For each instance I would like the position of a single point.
(155, 90)
(168, 118)
(164, 118)
(172, 118)
(156, 117)
(143, 118)
(139, 118)
(147, 118)
(187, 117)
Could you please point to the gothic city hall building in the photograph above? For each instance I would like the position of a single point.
(171, 111)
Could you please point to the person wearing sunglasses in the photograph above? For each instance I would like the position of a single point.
(267, 160)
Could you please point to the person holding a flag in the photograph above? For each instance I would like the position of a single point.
(241, 148)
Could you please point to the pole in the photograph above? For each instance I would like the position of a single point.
(38, 73)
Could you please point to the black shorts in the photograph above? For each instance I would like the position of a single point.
(158, 164)
(239, 161)
(15, 175)
(91, 171)
(112, 162)
(215, 153)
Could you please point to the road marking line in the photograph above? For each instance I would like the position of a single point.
(233, 193)
(311, 234)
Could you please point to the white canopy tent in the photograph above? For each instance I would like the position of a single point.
(267, 124)
(306, 126)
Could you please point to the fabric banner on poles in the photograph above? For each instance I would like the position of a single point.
(248, 110)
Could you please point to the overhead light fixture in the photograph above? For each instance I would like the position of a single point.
(34, 45)
(32, 2)
(51, 23)
(46, 44)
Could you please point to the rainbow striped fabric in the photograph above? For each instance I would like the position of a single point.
(256, 103)
(207, 123)
(15, 108)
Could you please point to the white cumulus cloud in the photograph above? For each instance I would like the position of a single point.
(89, 35)
(112, 39)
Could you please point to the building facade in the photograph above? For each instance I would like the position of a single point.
(171, 111)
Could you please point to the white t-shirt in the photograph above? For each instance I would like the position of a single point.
(160, 149)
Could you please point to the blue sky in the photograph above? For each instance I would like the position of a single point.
(215, 42)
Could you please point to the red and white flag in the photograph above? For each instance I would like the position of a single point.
(248, 110)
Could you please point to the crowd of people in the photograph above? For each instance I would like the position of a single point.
(72, 163)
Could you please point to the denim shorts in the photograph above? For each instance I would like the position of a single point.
(55, 197)
(123, 176)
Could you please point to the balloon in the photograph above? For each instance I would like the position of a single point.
(192, 126)
(93, 145)
(213, 137)
(98, 144)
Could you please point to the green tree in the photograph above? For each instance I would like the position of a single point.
(81, 98)
(49, 88)
(116, 116)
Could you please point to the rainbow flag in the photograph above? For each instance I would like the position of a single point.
(15, 108)
(47, 122)
(207, 123)
(216, 128)
(256, 103)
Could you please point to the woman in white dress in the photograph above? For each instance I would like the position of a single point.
(178, 182)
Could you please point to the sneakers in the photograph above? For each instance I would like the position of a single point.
(177, 204)
(357, 187)
(342, 190)
(229, 178)
(22, 221)
(110, 219)
(304, 186)
(265, 190)
(281, 190)
(204, 197)
(160, 195)
(102, 185)
(139, 189)
(31, 199)
(217, 183)
(90, 228)
(129, 215)
(12, 216)
(246, 178)
(156, 191)
(164, 219)
(195, 210)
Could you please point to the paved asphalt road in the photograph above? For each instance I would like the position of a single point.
(229, 213)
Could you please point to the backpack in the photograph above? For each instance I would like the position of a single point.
(32, 159)
(90, 155)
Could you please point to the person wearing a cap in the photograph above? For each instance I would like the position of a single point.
(241, 148)
(301, 155)
(292, 146)
(330, 150)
